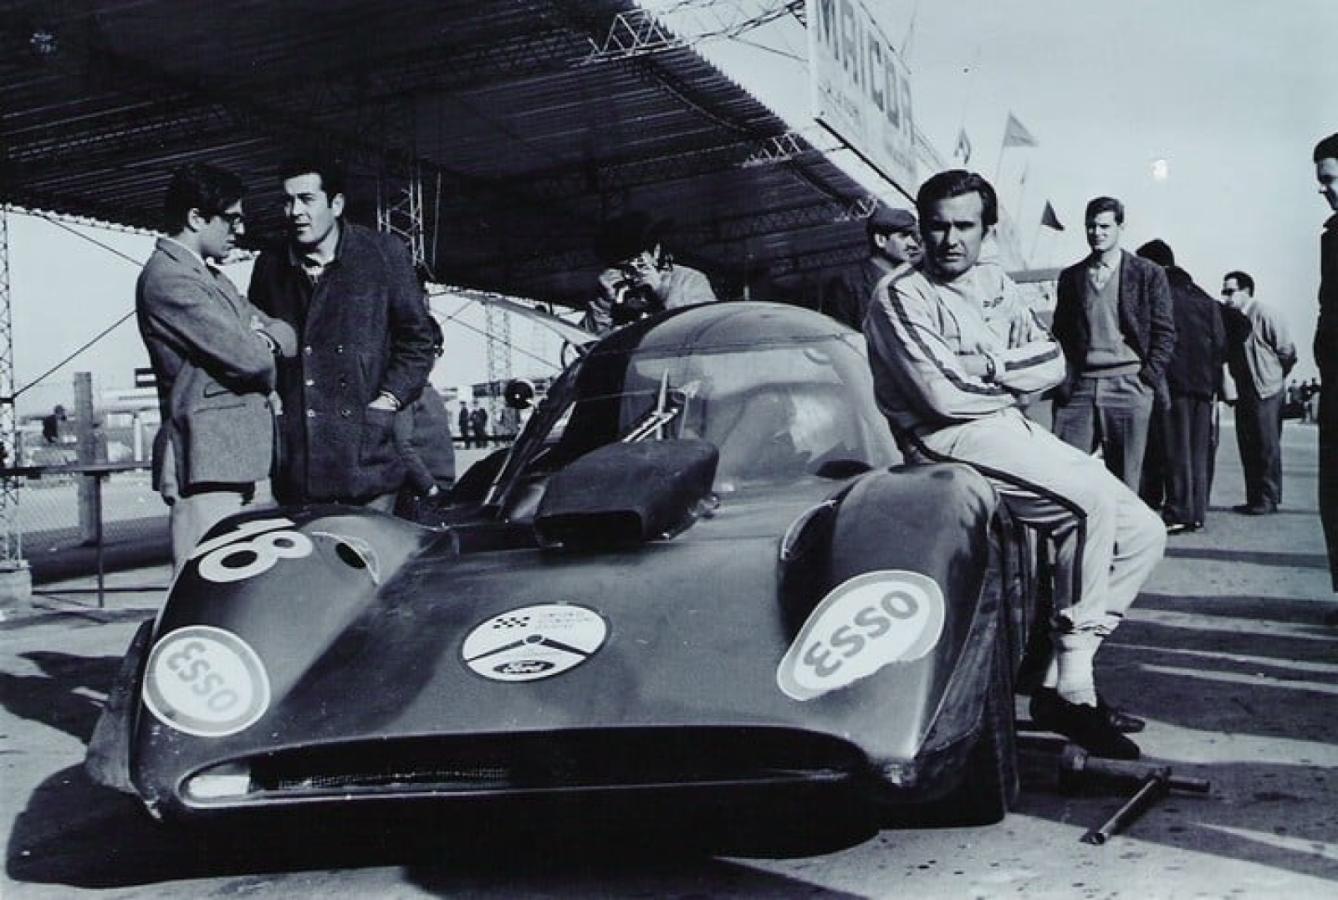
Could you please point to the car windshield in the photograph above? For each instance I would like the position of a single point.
(774, 411)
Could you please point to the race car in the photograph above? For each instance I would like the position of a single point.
(701, 569)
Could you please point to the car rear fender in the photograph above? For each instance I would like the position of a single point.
(914, 538)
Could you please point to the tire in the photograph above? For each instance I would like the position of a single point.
(990, 783)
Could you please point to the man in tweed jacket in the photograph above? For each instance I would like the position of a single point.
(213, 356)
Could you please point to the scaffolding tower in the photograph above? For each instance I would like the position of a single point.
(14, 577)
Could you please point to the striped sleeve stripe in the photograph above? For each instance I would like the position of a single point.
(910, 328)
(1014, 365)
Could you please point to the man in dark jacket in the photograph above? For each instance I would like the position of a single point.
(1113, 318)
(1326, 350)
(463, 426)
(1193, 378)
(894, 242)
(366, 344)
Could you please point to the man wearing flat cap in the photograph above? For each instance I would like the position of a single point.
(894, 242)
(641, 276)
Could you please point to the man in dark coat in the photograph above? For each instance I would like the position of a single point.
(1113, 318)
(478, 423)
(213, 357)
(462, 422)
(1193, 379)
(366, 344)
(894, 242)
(1326, 350)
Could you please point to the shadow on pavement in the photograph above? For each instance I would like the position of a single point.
(56, 697)
(1257, 676)
(1258, 557)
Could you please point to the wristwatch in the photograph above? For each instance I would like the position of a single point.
(990, 367)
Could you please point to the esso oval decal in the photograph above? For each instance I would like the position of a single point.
(868, 622)
(205, 681)
(533, 642)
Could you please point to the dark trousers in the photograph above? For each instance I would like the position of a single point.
(1187, 431)
(1326, 355)
(1259, 437)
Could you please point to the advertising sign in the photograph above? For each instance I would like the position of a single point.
(861, 89)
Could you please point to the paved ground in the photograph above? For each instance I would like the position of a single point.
(1228, 653)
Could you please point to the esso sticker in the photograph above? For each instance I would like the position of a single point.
(533, 642)
(871, 621)
(205, 681)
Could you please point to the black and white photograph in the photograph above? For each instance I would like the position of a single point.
(669, 448)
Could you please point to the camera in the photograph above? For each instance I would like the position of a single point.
(633, 299)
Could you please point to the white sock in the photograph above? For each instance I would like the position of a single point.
(1074, 658)
(1051, 679)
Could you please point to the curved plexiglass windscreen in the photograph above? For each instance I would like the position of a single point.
(776, 412)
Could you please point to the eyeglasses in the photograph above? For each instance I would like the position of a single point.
(235, 220)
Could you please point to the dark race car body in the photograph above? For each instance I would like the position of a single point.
(700, 567)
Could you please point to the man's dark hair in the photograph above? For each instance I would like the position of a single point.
(328, 168)
(1245, 281)
(200, 186)
(1327, 148)
(1097, 205)
(1159, 252)
(958, 183)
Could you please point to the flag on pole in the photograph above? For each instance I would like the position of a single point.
(1049, 219)
(1016, 134)
(963, 149)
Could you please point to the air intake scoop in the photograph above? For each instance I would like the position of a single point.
(626, 494)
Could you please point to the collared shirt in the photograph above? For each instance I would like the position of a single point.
(1103, 265)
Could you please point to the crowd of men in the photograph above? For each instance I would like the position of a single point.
(315, 379)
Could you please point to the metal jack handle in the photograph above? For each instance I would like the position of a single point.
(1155, 786)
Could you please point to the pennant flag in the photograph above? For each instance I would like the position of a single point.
(963, 149)
(1049, 219)
(1016, 134)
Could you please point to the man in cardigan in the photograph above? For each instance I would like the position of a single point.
(1113, 318)
(1259, 357)
(366, 344)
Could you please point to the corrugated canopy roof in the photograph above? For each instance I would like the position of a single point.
(523, 142)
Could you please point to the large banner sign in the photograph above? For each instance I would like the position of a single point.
(861, 88)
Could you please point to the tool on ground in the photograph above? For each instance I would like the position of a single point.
(1155, 782)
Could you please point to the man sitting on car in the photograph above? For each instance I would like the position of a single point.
(641, 276)
(954, 349)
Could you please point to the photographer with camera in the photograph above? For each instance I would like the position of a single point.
(641, 277)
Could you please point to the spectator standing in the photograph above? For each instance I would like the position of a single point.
(51, 424)
(366, 344)
(640, 276)
(954, 351)
(463, 424)
(423, 438)
(1113, 318)
(1193, 379)
(1326, 350)
(213, 357)
(894, 242)
(1260, 353)
(478, 423)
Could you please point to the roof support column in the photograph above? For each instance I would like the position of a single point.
(15, 579)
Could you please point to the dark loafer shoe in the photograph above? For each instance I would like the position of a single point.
(1087, 726)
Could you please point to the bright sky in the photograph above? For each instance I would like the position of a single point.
(1223, 99)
